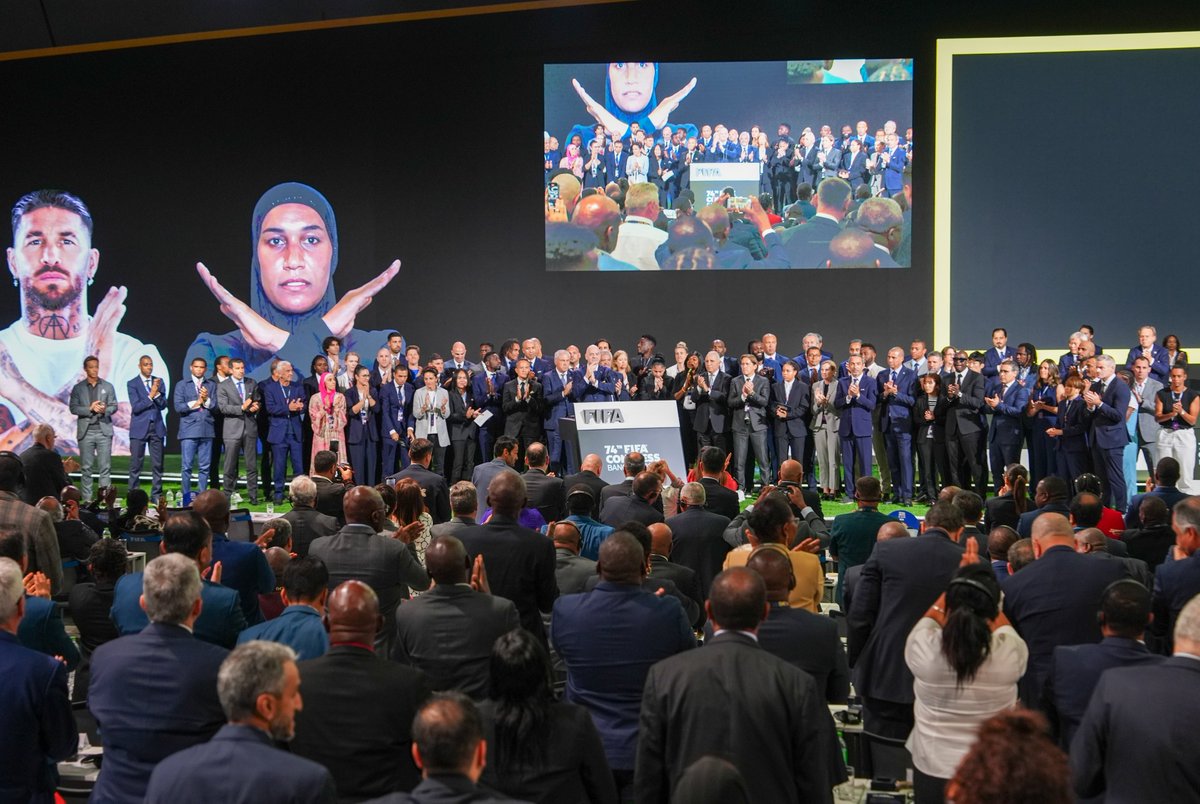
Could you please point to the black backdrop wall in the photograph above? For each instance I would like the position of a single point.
(421, 135)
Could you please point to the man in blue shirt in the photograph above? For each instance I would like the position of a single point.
(300, 626)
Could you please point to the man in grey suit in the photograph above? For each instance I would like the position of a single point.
(308, 524)
(93, 401)
(572, 570)
(448, 632)
(749, 394)
(505, 452)
(464, 506)
(388, 564)
(239, 401)
(546, 493)
(1144, 389)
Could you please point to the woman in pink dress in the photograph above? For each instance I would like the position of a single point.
(327, 412)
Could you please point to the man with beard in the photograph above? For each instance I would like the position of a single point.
(52, 262)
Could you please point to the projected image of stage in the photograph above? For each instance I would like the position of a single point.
(656, 166)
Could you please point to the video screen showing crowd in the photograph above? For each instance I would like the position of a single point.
(637, 188)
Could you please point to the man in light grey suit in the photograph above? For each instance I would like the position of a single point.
(388, 564)
(464, 506)
(1143, 391)
(94, 401)
(238, 400)
(505, 452)
(749, 393)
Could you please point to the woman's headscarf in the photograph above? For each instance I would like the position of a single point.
(327, 394)
(290, 193)
(642, 116)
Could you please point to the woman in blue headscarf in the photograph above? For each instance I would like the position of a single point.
(631, 96)
(294, 253)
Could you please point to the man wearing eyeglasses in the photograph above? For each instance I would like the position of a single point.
(964, 424)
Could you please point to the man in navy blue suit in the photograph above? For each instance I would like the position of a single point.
(790, 402)
(1076, 669)
(1053, 601)
(488, 388)
(618, 617)
(999, 352)
(615, 161)
(1107, 402)
(1177, 581)
(894, 158)
(1008, 412)
(222, 618)
(895, 387)
(243, 564)
(195, 399)
(147, 400)
(155, 692)
(39, 728)
(598, 382)
(531, 348)
(854, 401)
(710, 394)
(395, 401)
(854, 165)
(260, 695)
(559, 385)
(1160, 366)
(285, 404)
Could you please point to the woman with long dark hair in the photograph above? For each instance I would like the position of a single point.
(966, 659)
(684, 382)
(1044, 396)
(1012, 501)
(929, 411)
(539, 749)
(462, 427)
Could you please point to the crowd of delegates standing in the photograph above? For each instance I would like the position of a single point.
(823, 201)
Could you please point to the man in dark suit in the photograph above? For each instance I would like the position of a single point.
(147, 401)
(194, 401)
(749, 394)
(711, 395)
(520, 562)
(308, 523)
(896, 392)
(558, 390)
(900, 580)
(41, 627)
(633, 465)
(637, 505)
(359, 707)
(964, 425)
(1153, 540)
(697, 540)
(1050, 497)
(488, 388)
(1053, 601)
(464, 506)
(523, 408)
(221, 619)
(808, 641)
(1107, 402)
(238, 401)
(855, 399)
(615, 161)
(260, 694)
(1092, 542)
(589, 475)
(358, 552)
(1166, 487)
(45, 471)
(1076, 669)
(893, 160)
(285, 404)
(1177, 580)
(1007, 404)
(448, 632)
(1130, 745)
(546, 493)
(661, 566)
(395, 403)
(618, 617)
(852, 537)
(437, 493)
(999, 352)
(331, 482)
(155, 693)
(717, 498)
(243, 566)
(39, 729)
(807, 245)
(854, 165)
(782, 737)
(790, 405)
